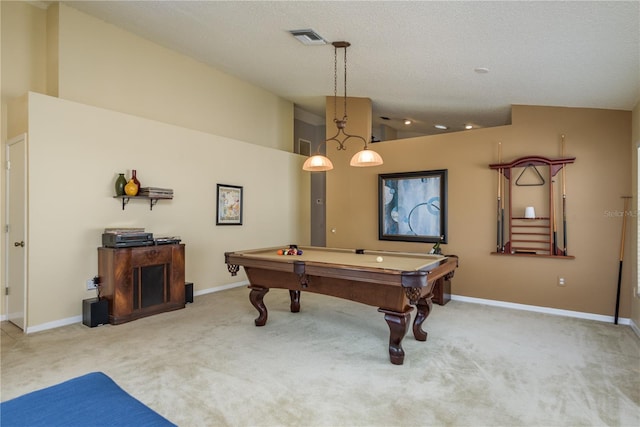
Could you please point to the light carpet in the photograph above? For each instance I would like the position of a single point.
(208, 365)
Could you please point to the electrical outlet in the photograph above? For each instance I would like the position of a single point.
(91, 285)
(561, 281)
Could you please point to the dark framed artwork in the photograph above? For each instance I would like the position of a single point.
(413, 206)
(229, 205)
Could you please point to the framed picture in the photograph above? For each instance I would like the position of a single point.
(229, 207)
(413, 206)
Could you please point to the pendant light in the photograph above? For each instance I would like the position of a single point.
(364, 158)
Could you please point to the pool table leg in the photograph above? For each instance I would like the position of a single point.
(256, 297)
(295, 301)
(424, 306)
(398, 326)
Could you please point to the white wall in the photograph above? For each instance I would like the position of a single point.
(75, 153)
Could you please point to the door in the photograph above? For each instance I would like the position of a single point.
(16, 250)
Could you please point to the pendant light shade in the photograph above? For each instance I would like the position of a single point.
(366, 158)
(317, 163)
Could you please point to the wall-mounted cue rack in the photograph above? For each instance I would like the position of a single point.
(531, 187)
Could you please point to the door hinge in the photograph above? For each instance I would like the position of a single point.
(6, 228)
(8, 164)
(6, 290)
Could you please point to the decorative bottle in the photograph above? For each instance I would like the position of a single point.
(121, 181)
(135, 178)
(436, 248)
(131, 189)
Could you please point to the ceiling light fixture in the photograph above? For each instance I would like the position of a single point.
(366, 157)
(407, 121)
(468, 127)
(441, 127)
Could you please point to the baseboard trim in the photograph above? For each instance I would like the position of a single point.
(495, 303)
(54, 324)
(78, 319)
(221, 288)
(546, 310)
(461, 298)
(635, 328)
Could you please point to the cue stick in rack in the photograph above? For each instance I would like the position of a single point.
(502, 182)
(499, 223)
(564, 203)
(553, 212)
(624, 224)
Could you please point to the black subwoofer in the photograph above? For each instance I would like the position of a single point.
(95, 312)
(188, 292)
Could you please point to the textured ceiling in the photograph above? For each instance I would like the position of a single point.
(414, 59)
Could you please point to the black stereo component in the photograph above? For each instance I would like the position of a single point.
(125, 240)
(167, 240)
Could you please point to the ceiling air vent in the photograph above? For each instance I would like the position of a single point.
(308, 37)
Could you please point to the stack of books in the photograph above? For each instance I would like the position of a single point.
(156, 193)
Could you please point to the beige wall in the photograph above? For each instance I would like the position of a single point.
(599, 139)
(186, 101)
(632, 241)
(61, 51)
(22, 44)
(52, 51)
(75, 153)
(23, 49)
(102, 65)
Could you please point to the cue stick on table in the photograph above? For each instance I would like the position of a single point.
(624, 224)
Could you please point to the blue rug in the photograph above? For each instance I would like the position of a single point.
(90, 400)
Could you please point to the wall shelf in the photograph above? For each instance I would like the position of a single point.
(538, 236)
(152, 200)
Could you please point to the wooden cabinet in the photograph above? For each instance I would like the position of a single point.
(141, 281)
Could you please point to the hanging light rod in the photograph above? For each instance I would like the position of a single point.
(363, 158)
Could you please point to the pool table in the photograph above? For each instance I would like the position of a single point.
(392, 281)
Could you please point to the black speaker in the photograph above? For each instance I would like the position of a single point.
(95, 312)
(188, 292)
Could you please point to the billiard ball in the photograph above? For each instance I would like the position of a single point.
(379, 259)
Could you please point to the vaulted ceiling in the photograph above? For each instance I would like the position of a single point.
(450, 62)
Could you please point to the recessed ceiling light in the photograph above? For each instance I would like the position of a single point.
(481, 70)
(441, 127)
(407, 121)
(468, 126)
(385, 118)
